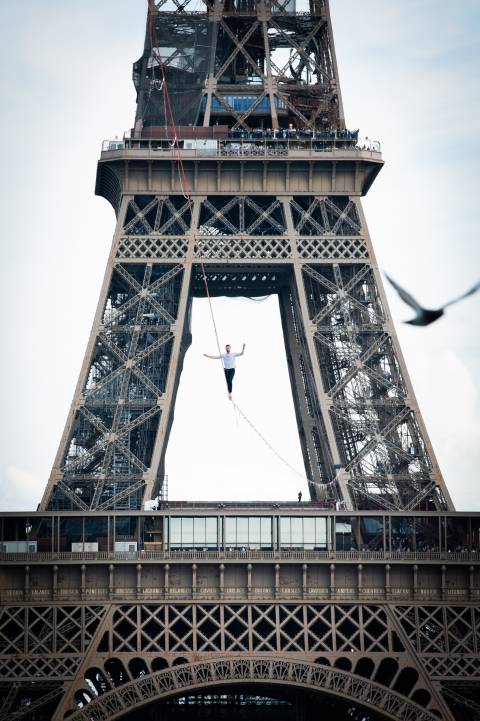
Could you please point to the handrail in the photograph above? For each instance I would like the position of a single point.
(238, 554)
(245, 147)
(172, 593)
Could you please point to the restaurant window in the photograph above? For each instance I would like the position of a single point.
(303, 532)
(193, 532)
(253, 532)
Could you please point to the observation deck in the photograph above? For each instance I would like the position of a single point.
(300, 161)
(264, 530)
(240, 550)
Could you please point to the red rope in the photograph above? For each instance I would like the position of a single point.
(170, 120)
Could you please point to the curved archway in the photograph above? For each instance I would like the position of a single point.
(343, 663)
(256, 669)
(159, 664)
(138, 668)
(179, 661)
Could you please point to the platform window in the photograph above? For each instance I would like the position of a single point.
(253, 532)
(193, 532)
(303, 532)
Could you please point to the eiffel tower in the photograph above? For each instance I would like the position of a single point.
(240, 178)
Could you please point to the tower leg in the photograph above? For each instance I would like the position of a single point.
(183, 338)
(304, 399)
(326, 443)
(112, 451)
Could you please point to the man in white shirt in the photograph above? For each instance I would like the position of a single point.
(228, 360)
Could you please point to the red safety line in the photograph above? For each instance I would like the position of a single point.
(183, 178)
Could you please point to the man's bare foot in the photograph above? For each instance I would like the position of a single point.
(229, 396)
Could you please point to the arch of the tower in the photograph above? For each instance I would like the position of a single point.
(120, 691)
(361, 437)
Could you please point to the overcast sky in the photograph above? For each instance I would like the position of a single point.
(409, 73)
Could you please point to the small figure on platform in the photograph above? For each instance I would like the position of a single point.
(300, 496)
(228, 360)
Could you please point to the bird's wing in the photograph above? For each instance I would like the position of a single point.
(406, 297)
(465, 295)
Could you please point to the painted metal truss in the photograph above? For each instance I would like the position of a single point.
(243, 63)
(291, 226)
(99, 661)
(362, 439)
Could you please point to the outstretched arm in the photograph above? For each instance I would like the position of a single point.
(242, 352)
(213, 357)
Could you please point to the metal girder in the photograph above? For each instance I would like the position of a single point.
(462, 700)
(263, 215)
(34, 705)
(355, 406)
(100, 438)
(289, 225)
(239, 45)
(8, 702)
(69, 493)
(111, 502)
(226, 105)
(299, 48)
(243, 42)
(288, 639)
(219, 214)
(373, 425)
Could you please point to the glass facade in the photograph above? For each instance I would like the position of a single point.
(435, 533)
(193, 532)
(303, 532)
(243, 103)
(248, 532)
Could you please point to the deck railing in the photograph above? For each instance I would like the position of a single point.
(229, 593)
(245, 554)
(245, 146)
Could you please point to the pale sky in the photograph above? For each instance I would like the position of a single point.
(409, 73)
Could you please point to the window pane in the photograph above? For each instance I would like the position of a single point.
(187, 531)
(96, 531)
(199, 531)
(300, 532)
(211, 532)
(321, 532)
(254, 532)
(266, 533)
(297, 531)
(242, 531)
(309, 533)
(230, 531)
(343, 533)
(175, 532)
(285, 534)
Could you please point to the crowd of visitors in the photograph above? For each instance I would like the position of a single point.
(260, 141)
(292, 133)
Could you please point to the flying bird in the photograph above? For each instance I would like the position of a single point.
(425, 316)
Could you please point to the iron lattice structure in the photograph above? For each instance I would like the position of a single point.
(275, 208)
(101, 633)
(257, 190)
(243, 60)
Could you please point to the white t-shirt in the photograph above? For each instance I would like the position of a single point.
(228, 359)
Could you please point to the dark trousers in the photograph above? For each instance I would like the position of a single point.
(229, 373)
